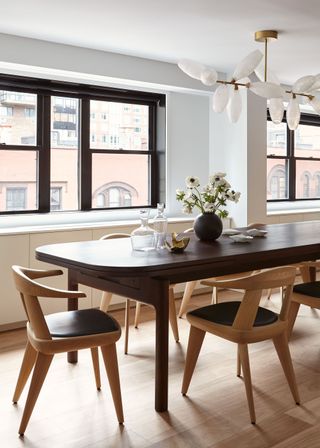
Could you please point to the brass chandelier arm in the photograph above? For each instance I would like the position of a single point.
(234, 83)
(301, 94)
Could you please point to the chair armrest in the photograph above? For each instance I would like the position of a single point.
(40, 273)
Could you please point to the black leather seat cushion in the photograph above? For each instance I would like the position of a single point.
(225, 313)
(80, 323)
(309, 289)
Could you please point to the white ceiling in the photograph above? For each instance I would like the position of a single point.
(218, 33)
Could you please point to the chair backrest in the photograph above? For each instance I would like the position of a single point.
(253, 286)
(30, 290)
(112, 236)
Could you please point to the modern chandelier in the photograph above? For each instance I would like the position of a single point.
(227, 96)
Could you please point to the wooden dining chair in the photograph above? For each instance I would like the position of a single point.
(107, 296)
(244, 323)
(190, 286)
(62, 332)
(306, 293)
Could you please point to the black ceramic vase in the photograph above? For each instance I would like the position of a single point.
(208, 226)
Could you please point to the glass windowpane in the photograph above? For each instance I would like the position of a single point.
(18, 180)
(277, 179)
(276, 139)
(114, 126)
(64, 153)
(120, 180)
(307, 179)
(18, 112)
(307, 141)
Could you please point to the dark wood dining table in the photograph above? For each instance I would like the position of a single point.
(111, 265)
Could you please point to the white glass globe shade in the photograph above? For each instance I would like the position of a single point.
(247, 65)
(191, 68)
(220, 98)
(315, 103)
(209, 77)
(266, 89)
(276, 109)
(293, 114)
(234, 107)
(316, 84)
(271, 76)
(303, 84)
(244, 80)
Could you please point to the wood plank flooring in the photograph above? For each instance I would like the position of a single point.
(71, 413)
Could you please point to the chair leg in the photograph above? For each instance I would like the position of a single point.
(105, 301)
(137, 314)
(126, 326)
(244, 359)
(29, 359)
(109, 353)
(186, 297)
(172, 315)
(196, 337)
(214, 295)
(96, 369)
(292, 315)
(281, 344)
(40, 371)
(305, 273)
(238, 362)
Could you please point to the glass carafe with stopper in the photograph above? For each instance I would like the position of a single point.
(143, 238)
(160, 224)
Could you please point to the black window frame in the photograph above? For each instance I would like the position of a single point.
(291, 159)
(45, 89)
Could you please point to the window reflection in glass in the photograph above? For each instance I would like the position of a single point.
(114, 126)
(18, 112)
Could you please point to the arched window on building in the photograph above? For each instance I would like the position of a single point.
(316, 179)
(306, 178)
(277, 183)
(114, 195)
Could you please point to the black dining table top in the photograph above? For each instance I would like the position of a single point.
(287, 242)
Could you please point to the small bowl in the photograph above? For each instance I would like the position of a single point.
(241, 238)
(257, 232)
(229, 232)
(177, 246)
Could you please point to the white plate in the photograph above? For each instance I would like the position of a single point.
(257, 232)
(241, 238)
(231, 232)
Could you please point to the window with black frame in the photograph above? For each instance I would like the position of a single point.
(75, 147)
(293, 160)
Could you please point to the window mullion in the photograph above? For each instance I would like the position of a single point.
(292, 165)
(154, 168)
(85, 157)
(43, 135)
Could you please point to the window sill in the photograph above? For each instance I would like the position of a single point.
(289, 208)
(37, 223)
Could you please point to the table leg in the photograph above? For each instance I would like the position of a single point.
(161, 296)
(72, 306)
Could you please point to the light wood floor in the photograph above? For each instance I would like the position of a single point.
(71, 413)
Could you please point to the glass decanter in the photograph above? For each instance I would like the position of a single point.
(160, 224)
(143, 238)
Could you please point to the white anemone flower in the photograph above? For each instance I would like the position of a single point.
(192, 181)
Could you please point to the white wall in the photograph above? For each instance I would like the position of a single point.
(188, 143)
(111, 66)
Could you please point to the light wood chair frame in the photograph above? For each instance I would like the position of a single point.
(242, 332)
(107, 297)
(41, 346)
(302, 299)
